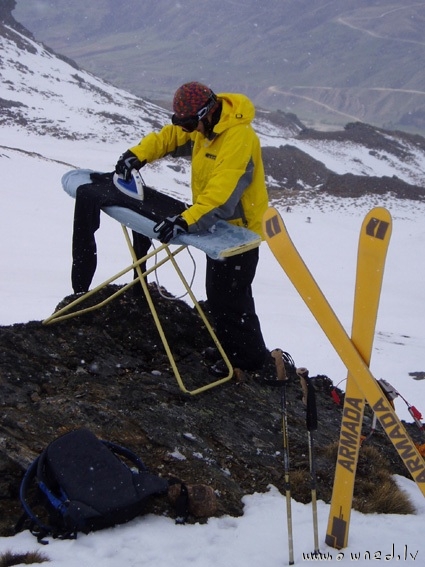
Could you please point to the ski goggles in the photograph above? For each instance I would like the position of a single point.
(190, 123)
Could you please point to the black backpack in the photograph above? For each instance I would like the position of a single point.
(81, 484)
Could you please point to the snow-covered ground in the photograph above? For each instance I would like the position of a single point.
(259, 537)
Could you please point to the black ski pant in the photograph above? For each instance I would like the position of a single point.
(90, 198)
(230, 300)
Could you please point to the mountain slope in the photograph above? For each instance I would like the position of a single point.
(43, 94)
(328, 62)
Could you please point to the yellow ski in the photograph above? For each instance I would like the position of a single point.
(290, 260)
(372, 251)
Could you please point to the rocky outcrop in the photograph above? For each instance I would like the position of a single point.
(107, 370)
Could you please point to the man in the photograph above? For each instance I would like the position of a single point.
(227, 183)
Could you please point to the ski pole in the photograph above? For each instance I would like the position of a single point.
(371, 432)
(281, 374)
(392, 394)
(309, 399)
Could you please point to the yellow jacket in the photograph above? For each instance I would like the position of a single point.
(227, 171)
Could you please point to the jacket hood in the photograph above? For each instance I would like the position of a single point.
(237, 109)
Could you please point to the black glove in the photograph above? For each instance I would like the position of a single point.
(170, 227)
(126, 163)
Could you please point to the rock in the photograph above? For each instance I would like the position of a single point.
(202, 499)
(107, 370)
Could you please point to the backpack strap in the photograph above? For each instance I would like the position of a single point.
(36, 526)
(127, 454)
(58, 502)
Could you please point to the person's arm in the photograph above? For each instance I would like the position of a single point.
(170, 140)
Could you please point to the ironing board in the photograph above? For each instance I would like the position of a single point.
(222, 241)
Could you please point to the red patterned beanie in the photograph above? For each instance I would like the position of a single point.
(190, 98)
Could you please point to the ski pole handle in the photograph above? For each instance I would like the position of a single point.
(309, 399)
(280, 366)
(303, 376)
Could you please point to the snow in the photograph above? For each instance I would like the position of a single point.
(35, 259)
(259, 537)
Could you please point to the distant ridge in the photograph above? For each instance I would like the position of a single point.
(326, 61)
(358, 160)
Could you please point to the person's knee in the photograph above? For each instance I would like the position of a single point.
(85, 193)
